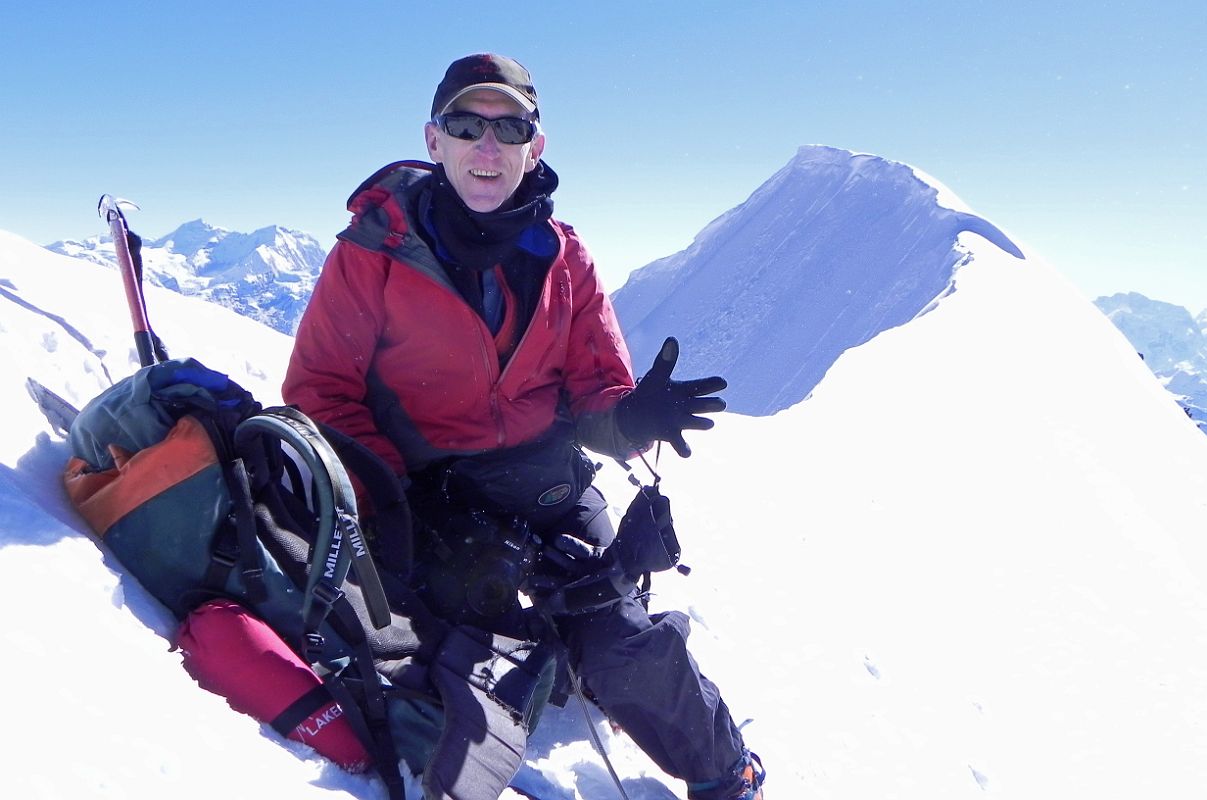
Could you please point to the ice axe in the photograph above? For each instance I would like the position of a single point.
(128, 247)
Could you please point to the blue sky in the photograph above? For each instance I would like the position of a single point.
(1079, 130)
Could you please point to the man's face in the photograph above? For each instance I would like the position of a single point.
(484, 173)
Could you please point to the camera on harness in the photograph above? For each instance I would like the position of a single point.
(484, 560)
(479, 511)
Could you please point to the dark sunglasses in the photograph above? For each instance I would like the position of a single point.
(470, 127)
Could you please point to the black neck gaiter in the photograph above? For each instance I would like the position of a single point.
(479, 241)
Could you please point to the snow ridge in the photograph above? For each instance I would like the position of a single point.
(772, 292)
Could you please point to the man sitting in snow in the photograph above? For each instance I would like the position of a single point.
(462, 334)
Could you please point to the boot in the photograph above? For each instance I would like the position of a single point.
(743, 782)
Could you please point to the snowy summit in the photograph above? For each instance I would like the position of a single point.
(830, 251)
(970, 564)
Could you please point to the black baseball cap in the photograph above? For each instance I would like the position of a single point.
(486, 71)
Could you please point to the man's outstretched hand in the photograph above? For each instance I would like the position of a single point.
(661, 408)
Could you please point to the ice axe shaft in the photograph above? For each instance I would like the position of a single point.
(110, 209)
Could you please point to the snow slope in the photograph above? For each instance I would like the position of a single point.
(971, 564)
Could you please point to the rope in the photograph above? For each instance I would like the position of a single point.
(575, 683)
(651, 468)
(599, 746)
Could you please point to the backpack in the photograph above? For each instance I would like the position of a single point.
(203, 495)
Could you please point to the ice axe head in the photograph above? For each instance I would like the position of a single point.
(109, 207)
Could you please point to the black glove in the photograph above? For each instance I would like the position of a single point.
(572, 554)
(660, 408)
(598, 576)
(565, 558)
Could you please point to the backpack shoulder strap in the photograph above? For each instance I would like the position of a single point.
(393, 528)
(339, 543)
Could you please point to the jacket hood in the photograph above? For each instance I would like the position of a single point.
(384, 216)
(380, 219)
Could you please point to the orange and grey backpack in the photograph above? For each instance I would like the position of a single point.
(207, 498)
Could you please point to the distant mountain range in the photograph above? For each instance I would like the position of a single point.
(1172, 342)
(267, 275)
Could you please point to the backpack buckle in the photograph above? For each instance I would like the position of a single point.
(224, 558)
(253, 581)
(328, 594)
(312, 645)
(322, 598)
